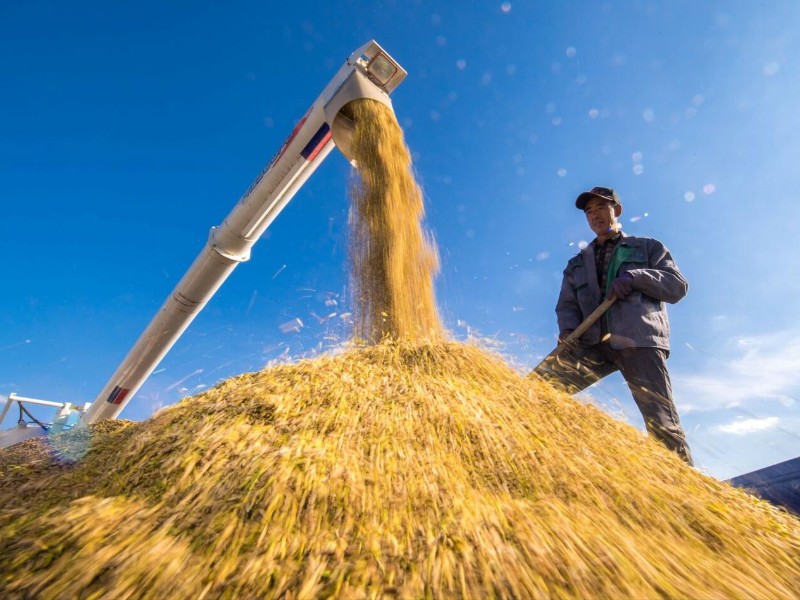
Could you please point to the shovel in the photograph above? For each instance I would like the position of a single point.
(544, 367)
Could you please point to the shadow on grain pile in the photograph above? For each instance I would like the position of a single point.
(398, 469)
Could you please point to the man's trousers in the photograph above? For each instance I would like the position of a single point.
(644, 370)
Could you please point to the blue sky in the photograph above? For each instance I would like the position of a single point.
(128, 130)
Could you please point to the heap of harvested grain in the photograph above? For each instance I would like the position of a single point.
(409, 468)
(400, 469)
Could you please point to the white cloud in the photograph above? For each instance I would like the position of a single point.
(745, 426)
(750, 369)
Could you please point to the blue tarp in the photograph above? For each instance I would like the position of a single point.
(779, 484)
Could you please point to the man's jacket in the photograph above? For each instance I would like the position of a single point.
(638, 321)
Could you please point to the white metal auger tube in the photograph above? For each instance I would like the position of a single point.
(368, 73)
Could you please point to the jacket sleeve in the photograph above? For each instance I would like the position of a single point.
(661, 279)
(568, 311)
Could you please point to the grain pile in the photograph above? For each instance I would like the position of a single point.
(416, 467)
(397, 470)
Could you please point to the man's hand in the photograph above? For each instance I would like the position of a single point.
(622, 286)
(564, 335)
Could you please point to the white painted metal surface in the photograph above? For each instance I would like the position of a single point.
(368, 73)
(66, 415)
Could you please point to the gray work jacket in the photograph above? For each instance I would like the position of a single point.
(638, 321)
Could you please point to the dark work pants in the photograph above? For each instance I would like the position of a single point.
(644, 370)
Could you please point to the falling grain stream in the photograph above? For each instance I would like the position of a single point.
(393, 259)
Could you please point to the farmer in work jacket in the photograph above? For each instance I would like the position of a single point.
(633, 335)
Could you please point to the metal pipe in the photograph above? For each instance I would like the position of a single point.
(13, 397)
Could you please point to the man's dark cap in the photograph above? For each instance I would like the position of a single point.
(603, 193)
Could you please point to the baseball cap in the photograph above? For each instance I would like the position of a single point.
(597, 192)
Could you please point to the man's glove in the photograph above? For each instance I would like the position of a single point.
(622, 286)
(564, 335)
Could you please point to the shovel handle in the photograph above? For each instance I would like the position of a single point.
(588, 322)
(578, 332)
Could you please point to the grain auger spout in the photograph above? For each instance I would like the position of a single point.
(369, 72)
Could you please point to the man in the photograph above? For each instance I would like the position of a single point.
(633, 335)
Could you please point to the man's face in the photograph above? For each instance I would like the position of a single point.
(601, 216)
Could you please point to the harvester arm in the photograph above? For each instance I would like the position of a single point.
(369, 72)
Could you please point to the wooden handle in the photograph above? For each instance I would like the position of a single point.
(579, 331)
(589, 321)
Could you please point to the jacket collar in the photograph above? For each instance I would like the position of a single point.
(616, 238)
